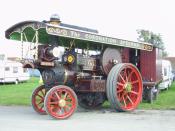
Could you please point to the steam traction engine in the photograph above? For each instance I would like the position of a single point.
(78, 63)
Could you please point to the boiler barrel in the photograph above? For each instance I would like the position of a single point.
(58, 76)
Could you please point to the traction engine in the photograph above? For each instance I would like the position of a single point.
(79, 66)
(93, 78)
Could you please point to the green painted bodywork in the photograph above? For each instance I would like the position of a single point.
(62, 36)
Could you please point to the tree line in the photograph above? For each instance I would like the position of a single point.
(150, 37)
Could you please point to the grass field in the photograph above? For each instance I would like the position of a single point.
(165, 100)
(20, 94)
(11, 94)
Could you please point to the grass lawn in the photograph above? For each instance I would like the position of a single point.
(165, 100)
(20, 94)
(11, 94)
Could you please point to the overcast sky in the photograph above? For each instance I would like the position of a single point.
(116, 18)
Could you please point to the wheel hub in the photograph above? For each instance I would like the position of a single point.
(62, 103)
(128, 87)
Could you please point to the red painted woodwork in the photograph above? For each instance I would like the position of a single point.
(125, 55)
(150, 65)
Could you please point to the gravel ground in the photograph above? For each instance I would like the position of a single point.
(19, 118)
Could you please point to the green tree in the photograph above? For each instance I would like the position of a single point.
(150, 37)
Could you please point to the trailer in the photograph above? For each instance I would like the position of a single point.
(12, 72)
(167, 75)
(80, 66)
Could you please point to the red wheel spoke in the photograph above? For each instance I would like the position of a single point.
(65, 95)
(130, 74)
(120, 90)
(122, 78)
(53, 97)
(56, 93)
(54, 102)
(133, 92)
(56, 109)
(134, 82)
(68, 103)
(124, 100)
(121, 84)
(52, 108)
(126, 75)
(130, 100)
(68, 98)
(67, 108)
(120, 96)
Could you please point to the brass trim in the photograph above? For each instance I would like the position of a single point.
(65, 77)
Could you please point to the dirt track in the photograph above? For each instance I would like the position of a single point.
(25, 119)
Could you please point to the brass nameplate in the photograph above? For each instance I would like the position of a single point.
(47, 63)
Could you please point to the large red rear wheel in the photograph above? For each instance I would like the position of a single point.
(38, 100)
(60, 102)
(124, 87)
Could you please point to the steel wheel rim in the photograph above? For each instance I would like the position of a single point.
(128, 87)
(38, 100)
(61, 102)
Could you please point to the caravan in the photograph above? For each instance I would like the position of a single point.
(12, 72)
(167, 75)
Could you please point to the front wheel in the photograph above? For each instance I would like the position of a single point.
(124, 87)
(60, 102)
